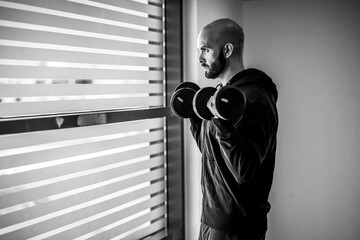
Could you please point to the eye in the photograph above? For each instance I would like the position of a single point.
(206, 50)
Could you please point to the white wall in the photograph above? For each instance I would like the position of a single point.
(312, 50)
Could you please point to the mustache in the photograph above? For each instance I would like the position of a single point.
(204, 65)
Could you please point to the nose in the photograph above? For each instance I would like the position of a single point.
(201, 60)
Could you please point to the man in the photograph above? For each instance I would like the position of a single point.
(237, 157)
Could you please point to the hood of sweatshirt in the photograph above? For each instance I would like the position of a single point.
(254, 76)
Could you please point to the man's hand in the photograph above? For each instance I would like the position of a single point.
(211, 106)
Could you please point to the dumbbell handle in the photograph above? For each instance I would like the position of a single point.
(227, 103)
(201, 101)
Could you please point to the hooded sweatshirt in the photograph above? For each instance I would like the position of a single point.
(238, 159)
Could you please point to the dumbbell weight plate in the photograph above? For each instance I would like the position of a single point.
(200, 102)
(181, 102)
(229, 103)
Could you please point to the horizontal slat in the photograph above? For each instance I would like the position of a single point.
(36, 90)
(91, 194)
(75, 27)
(24, 177)
(62, 154)
(41, 190)
(68, 42)
(75, 136)
(78, 10)
(28, 191)
(76, 73)
(76, 106)
(101, 219)
(108, 223)
(143, 232)
(78, 232)
(36, 54)
(59, 168)
(116, 193)
(123, 228)
(115, 219)
(132, 5)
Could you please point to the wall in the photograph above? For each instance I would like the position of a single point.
(312, 50)
(198, 13)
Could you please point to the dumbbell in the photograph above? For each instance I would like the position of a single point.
(182, 98)
(228, 103)
(188, 100)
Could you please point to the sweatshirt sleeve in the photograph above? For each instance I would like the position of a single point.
(244, 146)
(195, 129)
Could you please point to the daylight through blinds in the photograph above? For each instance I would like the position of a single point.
(72, 62)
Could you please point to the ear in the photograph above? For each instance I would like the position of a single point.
(228, 50)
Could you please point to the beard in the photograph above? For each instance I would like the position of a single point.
(216, 67)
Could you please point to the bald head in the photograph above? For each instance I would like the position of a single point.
(222, 31)
(220, 47)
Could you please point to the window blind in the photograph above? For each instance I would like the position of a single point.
(98, 179)
(79, 56)
(96, 182)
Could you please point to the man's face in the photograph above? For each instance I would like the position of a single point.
(212, 59)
